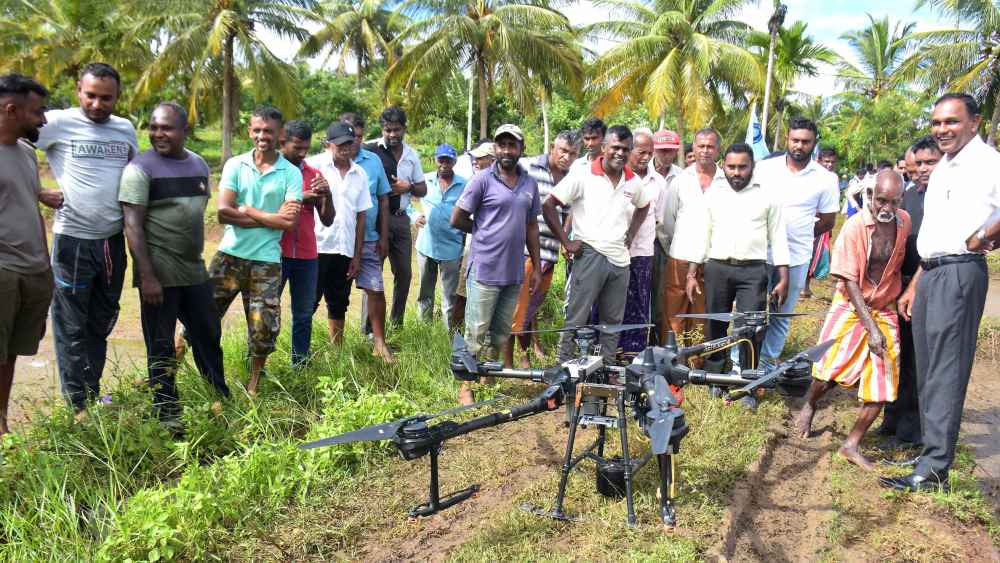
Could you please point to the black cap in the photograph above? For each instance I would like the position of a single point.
(339, 133)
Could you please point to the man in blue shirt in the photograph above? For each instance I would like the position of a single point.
(439, 245)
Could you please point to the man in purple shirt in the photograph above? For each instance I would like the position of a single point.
(499, 207)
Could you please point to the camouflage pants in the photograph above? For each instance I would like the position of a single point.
(260, 285)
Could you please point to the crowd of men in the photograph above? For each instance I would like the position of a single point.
(644, 241)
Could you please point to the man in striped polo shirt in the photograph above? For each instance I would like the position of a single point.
(163, 194)
(547, 170)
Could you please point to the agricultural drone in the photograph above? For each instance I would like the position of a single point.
(648, 389)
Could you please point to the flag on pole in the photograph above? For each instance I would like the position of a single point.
(755, 136)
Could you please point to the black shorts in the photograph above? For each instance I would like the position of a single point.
(333, 285)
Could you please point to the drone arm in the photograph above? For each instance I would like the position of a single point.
(550, 399)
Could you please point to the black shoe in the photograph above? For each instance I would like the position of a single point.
(911, 462)
(914, 483)
(885, 430)
(749, 402)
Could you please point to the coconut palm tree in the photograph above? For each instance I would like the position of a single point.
(880, 49)
(219, 41)
(514, 45)
(965, 58)
(674, 56)
(358, 29)
(796, 54)
(53, 40)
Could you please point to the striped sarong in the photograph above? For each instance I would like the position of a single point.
(849, 362)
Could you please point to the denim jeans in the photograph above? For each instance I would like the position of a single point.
(489, 310)
(777, 328)
(303, 275)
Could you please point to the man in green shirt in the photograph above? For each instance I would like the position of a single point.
(260, 195)
(163, 193)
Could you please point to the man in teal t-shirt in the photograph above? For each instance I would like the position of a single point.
(260, 194)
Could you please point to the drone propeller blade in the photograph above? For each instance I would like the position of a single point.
(817, 352)
(463, 408)
(460, 347)
(721, 317)
(787, 315)
(375, 433)
(545, 330)
(615, 329)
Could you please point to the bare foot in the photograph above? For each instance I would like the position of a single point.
(537, 350)
(217, 408)
(465, 396)
(803, 422)
(525, 363)
(180, 348)
(81, 416)
(853, 455)
(4, 429)
(380, 350)
(252, 386)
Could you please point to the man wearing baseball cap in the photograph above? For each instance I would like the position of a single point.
(499, 207)
(666, 144)
(439, 245)
(341, 244)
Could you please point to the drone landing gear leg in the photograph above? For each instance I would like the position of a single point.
(435, 503)
(667, 513)
(626, 461)
(568, 464)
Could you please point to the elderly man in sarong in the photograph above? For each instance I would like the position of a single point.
(867, 259)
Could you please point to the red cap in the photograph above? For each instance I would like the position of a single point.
(665, 139)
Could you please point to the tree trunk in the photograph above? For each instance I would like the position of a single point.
(991, 138)
(481, 68)
(680, 133)
(468, 129)
(545, 124)
(228, 93)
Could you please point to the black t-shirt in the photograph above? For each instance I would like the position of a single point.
(913, 203)
(389, 165)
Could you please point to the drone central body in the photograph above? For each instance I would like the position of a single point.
(646, 391)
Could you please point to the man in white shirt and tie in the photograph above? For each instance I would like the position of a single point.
(743, 220)
(810, 198)
(947, 295)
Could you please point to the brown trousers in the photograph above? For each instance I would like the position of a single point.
(675, 301)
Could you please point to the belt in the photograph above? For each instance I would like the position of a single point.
(931, 263)
(735, 262)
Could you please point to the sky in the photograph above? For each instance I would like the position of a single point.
(827, 20)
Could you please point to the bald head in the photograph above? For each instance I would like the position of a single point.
(642, 151)
(887, 196)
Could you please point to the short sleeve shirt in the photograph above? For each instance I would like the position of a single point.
(350, 197)
(438, 239)
(300, 242)
(803, 195)
(645, 237)
(963, 196)
(849, 259)
(378, 185)
(601, 212)
(175, 193)
(407, 168)
(499, 224)
(266, 192)
(87, 159)
(22, 234)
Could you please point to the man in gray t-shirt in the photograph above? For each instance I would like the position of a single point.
(88, 148)
(25, 276)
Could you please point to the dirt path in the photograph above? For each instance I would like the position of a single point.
(980, 424)
(779, 511)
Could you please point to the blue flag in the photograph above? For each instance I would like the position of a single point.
(755, 136)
